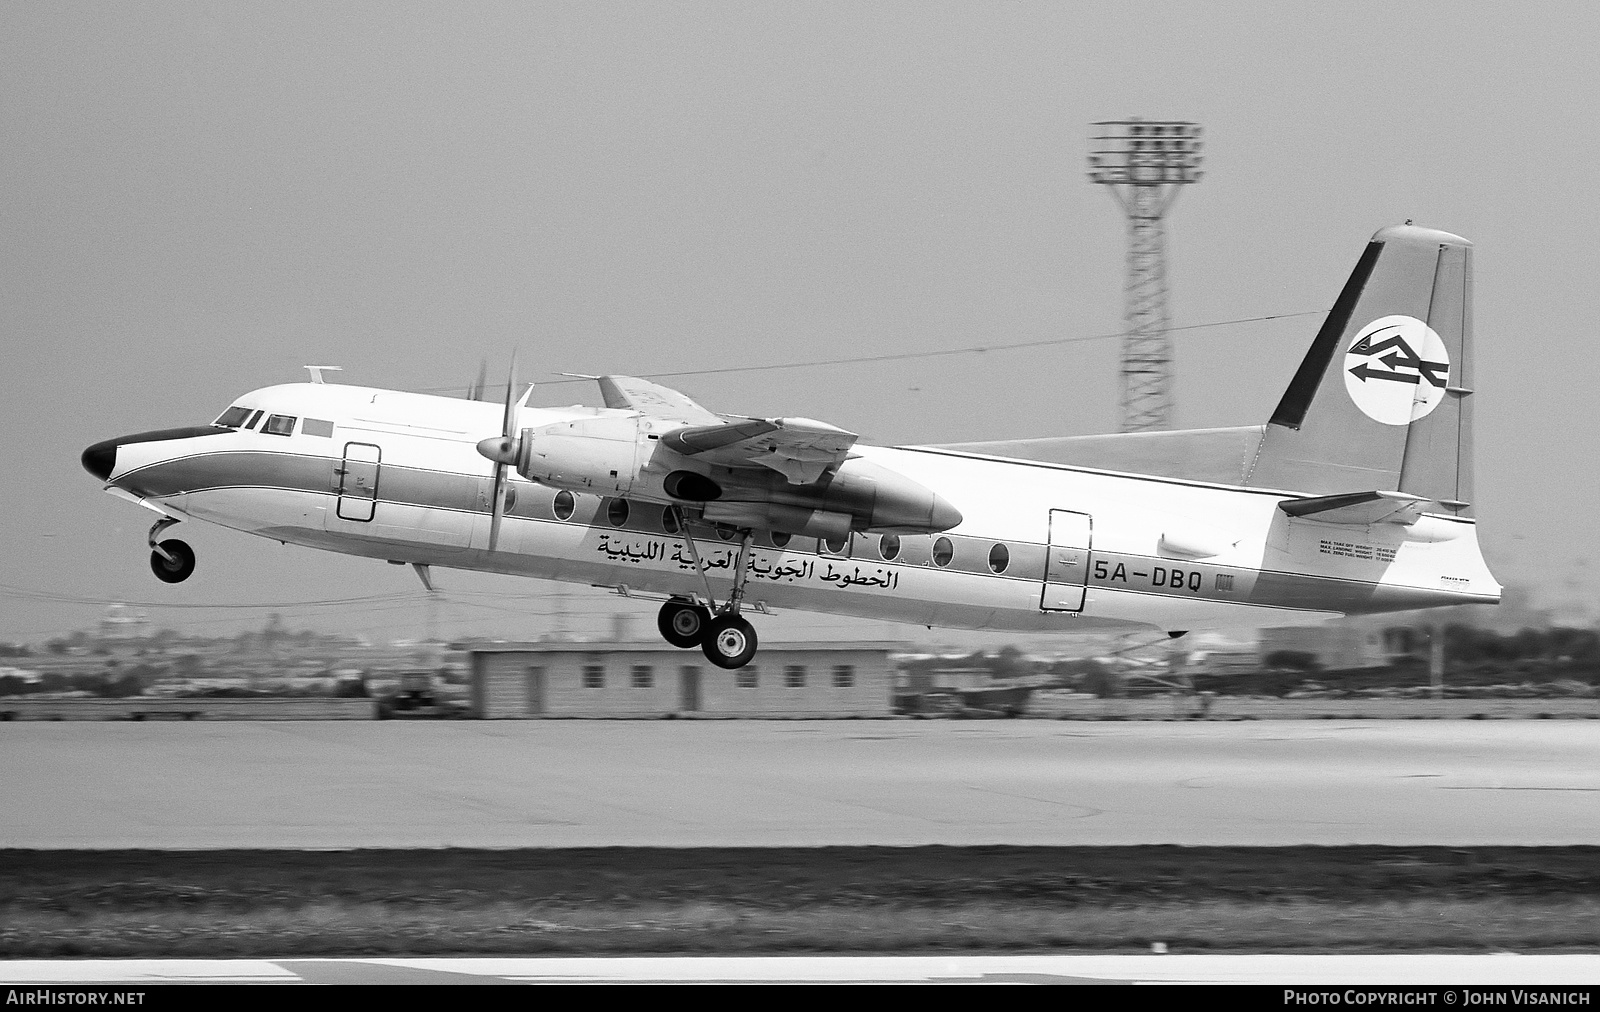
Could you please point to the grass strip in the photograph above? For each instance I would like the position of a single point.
(759, 900)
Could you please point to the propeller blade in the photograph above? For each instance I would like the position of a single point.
(503, 451)
(509, 420)
(497, 510)
(475, 392)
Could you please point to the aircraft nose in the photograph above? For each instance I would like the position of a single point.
(100, 459)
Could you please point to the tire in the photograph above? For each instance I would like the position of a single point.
(683, 624)
(181, 566)
(730, 642)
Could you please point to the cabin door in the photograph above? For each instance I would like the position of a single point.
(358, 481)
(1066, 567)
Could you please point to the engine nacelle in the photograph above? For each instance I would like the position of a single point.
(599, 455)
(767, 516)
(872, 496)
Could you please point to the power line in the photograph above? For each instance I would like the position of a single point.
(977, 349)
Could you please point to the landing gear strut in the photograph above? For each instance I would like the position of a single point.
(722, 634)
(171, 561)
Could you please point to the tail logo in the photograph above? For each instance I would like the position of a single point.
(1396, 370)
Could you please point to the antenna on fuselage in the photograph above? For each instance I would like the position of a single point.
(316, 371)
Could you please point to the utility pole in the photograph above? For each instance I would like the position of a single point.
(1143, 163)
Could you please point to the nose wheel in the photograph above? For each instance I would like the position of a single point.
(172, 561)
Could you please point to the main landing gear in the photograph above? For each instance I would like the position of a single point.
(722, 634)
(171, 561)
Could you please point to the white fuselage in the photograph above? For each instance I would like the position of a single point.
(398, 477)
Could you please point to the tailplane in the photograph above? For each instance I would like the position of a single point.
(1383, 398)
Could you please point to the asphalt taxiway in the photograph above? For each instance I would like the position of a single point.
(797, 783)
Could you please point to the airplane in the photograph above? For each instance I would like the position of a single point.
(1354, 497)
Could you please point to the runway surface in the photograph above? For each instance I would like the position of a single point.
(1339, 971)
(782, 783)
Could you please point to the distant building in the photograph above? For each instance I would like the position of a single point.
(122, 624)
(556, 679)
(1337, 646)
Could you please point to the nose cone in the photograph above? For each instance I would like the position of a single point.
(499, 449)
(100, 459)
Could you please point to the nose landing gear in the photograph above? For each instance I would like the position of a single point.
(727, 640)
(171, 561)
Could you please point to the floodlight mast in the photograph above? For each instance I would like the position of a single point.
(1143, 162)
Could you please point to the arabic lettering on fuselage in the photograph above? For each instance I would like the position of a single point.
(635, 550)
(888, 579)
(763, 565)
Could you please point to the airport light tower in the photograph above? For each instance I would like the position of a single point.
(1144, 162)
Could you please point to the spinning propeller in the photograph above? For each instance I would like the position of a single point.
(504, 451)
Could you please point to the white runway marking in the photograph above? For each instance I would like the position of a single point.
(1305, 970)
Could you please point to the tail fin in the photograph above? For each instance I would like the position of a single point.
(1383, 398)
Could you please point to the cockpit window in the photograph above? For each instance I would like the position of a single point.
(233, 417)
(279, 425)
(253, 420)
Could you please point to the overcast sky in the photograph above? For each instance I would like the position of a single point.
(198, 199)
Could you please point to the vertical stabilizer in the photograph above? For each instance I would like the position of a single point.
(1382, 400)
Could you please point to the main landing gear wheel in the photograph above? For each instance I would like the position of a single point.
(683, 624)
(730, 642)
(176, 565)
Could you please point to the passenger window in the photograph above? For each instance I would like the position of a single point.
(233, 417)
(999, 558)
(564, 505)
(279, 425)
(617, 512)
(778, 539)
(316, 427)
(669, 520)
(943, 552)
(889, 547)
(836, 546)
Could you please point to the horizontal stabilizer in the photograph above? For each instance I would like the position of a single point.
(1357, 508)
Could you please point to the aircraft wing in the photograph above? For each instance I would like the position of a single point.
(800, 449)
(654, 400)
